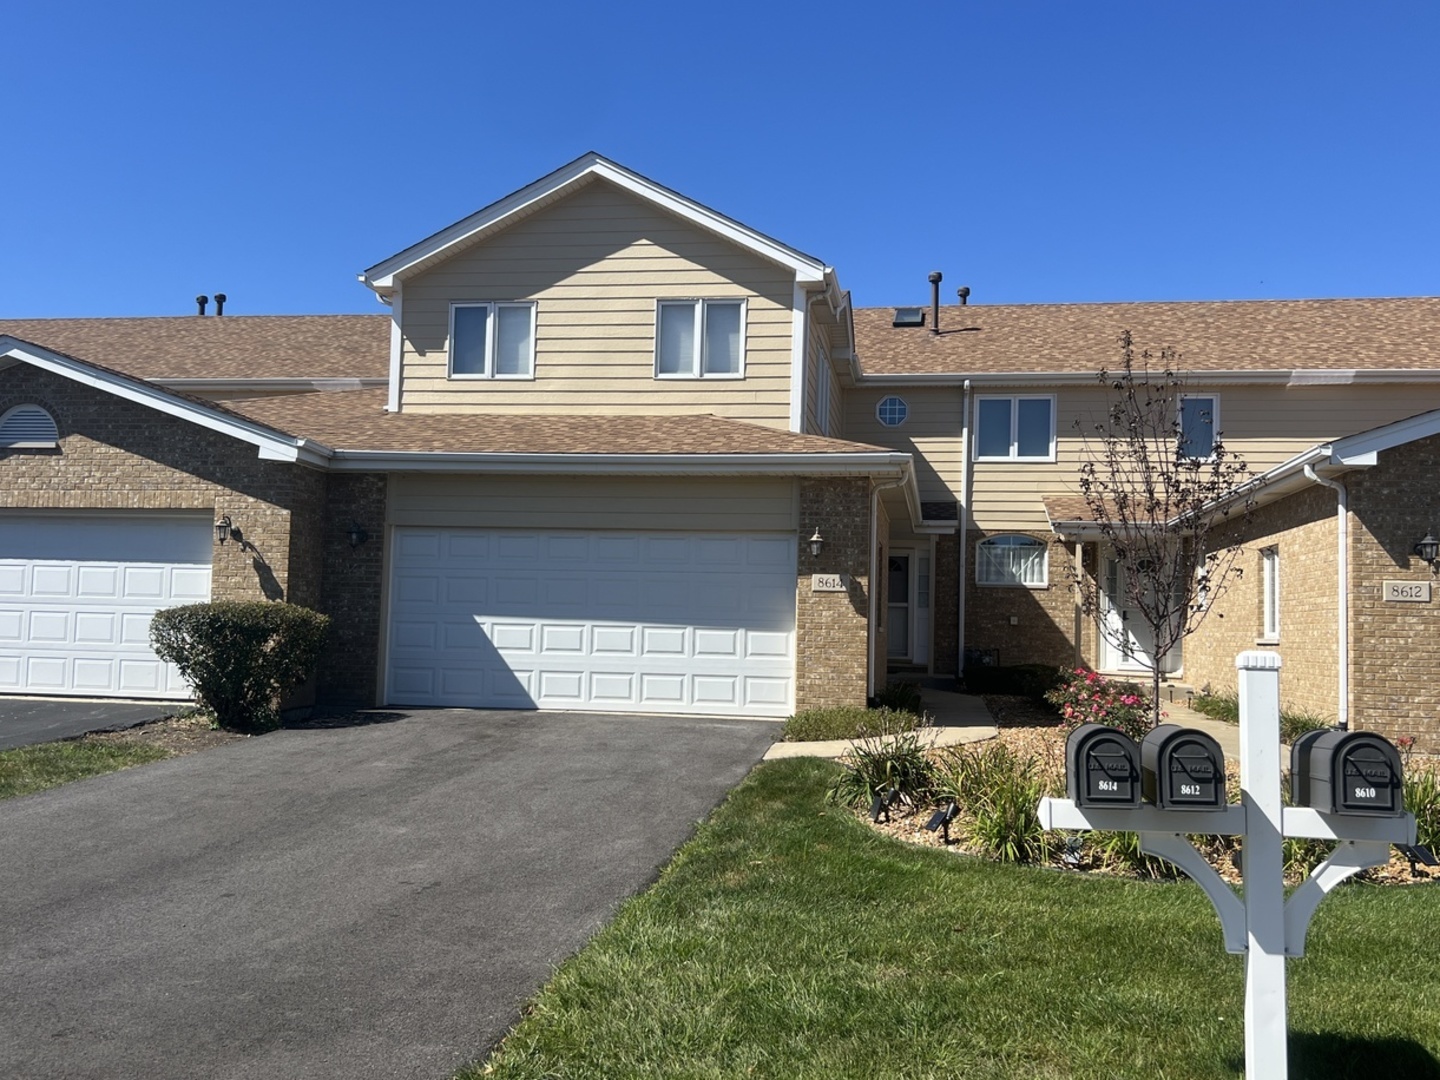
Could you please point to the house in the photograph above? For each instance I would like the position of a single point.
(612, 450)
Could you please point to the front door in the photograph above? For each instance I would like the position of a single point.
(1129, 641)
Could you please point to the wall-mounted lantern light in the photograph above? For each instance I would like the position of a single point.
(816, 543)
(357, 535)
(1429, 550)
(224, 529)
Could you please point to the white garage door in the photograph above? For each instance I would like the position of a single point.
(605, 621)
(76, 596)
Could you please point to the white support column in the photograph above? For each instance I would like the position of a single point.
(1264, 864)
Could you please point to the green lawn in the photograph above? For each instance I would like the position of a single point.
(34, 768)
(787, 940)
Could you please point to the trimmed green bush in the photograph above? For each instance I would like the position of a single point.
(847, 722)
(1086, 697)
(1022, 680)
(240, 657)
(900, 697)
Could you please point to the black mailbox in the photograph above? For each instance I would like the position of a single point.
(1347, 772)
(1102, 767)
(1182, 769)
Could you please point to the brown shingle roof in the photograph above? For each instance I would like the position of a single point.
(223, 347)
(1068, 508)
(1236, 335)
(357, 420)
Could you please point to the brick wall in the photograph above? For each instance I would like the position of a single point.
(352, 590)
(1302, 529)
(945, 605)
(1022, 625)
(1395, 647)
(831, 629)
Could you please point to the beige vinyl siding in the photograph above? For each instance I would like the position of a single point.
(596, 263)
(1265, 424)
(815, 370)
(728, 504)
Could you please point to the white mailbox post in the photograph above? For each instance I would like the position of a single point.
(1265, 926)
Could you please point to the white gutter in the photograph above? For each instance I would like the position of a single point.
(1342, 594)
(282, 386)
(895, 465)
(1285, 377)
(963, 555)
(875, 661)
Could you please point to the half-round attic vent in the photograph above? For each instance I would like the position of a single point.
(28, 427)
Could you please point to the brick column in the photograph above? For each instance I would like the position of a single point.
(832, 629)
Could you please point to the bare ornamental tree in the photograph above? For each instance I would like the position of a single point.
(1165, 494)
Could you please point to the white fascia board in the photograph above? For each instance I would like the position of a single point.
(840, 464)
(1289, 377)
(384, 275)
(283, 386)
(397, 348)
(799, 352)
(272, 445)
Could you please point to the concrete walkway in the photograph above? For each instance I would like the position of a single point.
(957, 718)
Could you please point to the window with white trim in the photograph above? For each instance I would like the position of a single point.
(1270, 592)
(1198, 426)
(1012, 560)
(1017, 428)
(492, 341)
(28, 427)
(700, 339)
(892, 411)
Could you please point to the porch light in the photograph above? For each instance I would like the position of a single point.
(816, 543)
(224, 529)
(357, 535)
(1429, 550)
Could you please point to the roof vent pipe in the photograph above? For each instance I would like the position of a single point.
(219, 303)
(963, 292)
(935, 277)
(200, 302)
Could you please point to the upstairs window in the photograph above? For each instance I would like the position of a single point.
(1012, 560)
(28, 427)
(1198, 425)
(700, 339)
(1020, 428)
(492, 341)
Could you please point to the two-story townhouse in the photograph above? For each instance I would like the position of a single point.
(610, 449)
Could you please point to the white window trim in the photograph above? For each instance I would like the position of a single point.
(1214, 400)
(823, 378)
(490, 336)
(1269, 586)
(698, 359)
(1043, 583)
(1014, 400)
(882, 421)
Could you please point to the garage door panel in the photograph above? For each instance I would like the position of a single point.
(49, 627)
(99, 582)
(698, 623)
(47, 673)
(144, 582)
(98, 628)
(190, 585)
(141, 677)
(52, 581)
(12, 579)
(12, 624)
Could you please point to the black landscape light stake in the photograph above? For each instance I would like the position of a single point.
(1417, 854)
(941, 819)
(882, 803)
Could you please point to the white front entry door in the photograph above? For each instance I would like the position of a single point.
(77, 594)
(689, 623)
(1129, 640)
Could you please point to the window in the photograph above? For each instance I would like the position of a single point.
(822, 390)
(1012, 560)
(1015, 428)
(1198, 415)
(28, 427)
(492, 341)
(892, 411)
(697, 339)
(1270, 588)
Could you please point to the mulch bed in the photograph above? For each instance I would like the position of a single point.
(183, 734)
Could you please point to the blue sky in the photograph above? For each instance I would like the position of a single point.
(1038, 152)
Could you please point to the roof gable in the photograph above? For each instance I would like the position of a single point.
(385, 275)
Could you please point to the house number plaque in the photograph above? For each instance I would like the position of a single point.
(1407, 592)
(829, 583)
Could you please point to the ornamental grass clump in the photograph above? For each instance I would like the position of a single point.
(893, 766)
(1086, 697)
(998, 792)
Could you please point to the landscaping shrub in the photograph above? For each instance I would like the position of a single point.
(241, 656)
(1033, 681)
(999, 793)
(879, 764)
(847, 722)
(1085, 697)
(1225, 705)
(1422, 798)
(900, 697)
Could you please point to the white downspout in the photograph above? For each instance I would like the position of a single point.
(1342, 605)
(962, 555)
(875, 572)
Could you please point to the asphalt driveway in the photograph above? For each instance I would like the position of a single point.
(24, 721)
(368, 901)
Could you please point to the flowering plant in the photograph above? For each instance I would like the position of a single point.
(1087, 697)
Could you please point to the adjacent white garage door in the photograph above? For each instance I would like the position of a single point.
(76, 596)
(606, 621)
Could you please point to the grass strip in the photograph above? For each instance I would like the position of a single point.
(788, 940)
(35, 768)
